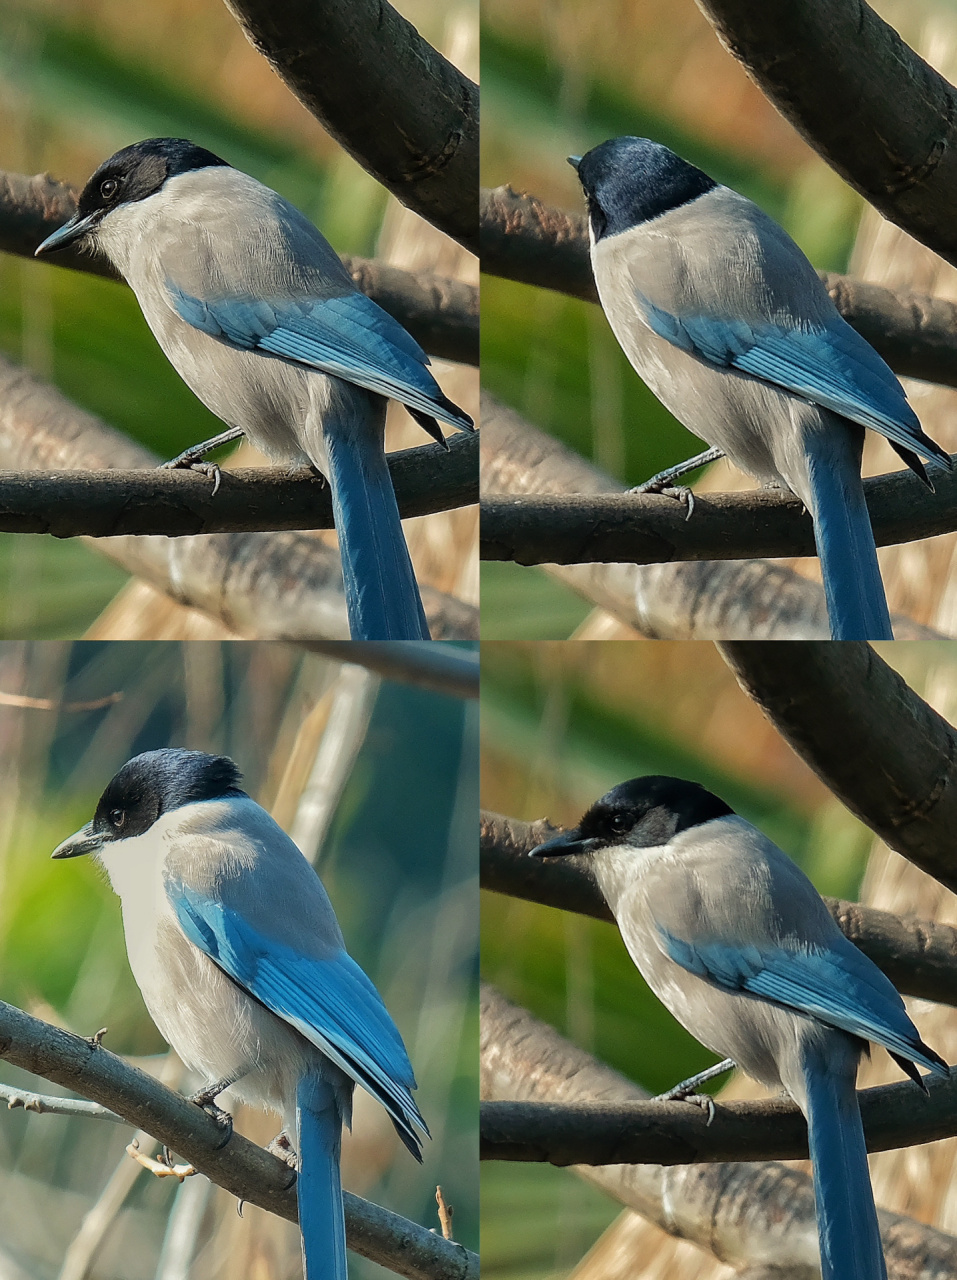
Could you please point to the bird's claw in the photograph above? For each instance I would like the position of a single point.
(206, 1099)
(283, 1149)
(703, 1100)
(679, 492)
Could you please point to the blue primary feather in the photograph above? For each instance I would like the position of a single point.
(840, 988)
(330, 1002)
(831, 366)
(349, 336)
(382, 596)
(319, 1186)
(846, 1217)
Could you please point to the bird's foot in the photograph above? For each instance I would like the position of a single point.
(284, 1150)
(703, 1100)
(206, 1098)
(679, 492)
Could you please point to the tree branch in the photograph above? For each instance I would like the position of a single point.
(49, 1104)
(405, 113)
(742, 1213)
(104, 504)
(440, 313)
(919, 956)
(655, 528)
(278, 586)
(526, 240)
(666, 1133)
(233, 1162)
(873, 108)
(438, 667)
(752, 599)
(875, 743)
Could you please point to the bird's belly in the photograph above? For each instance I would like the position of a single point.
(264, 396)
(749, 420)
(214, 1026)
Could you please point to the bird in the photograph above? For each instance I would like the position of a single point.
(726, 321)
(261, 320)
(236, 949)
(733, 938)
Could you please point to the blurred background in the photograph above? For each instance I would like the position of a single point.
(377, 783)
(78, 80)
(560, 76)
(561, 724)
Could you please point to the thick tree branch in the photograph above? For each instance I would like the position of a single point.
(752, 599)
(894, 1115)
(279, 586)
(440, 313)
(919, 956)
(743, 1213)
(526, 240)
(871, 107)
(405, 113)
(871, 739)
(424, 663)
(104, 504)
(232, 1162)
(657, 529)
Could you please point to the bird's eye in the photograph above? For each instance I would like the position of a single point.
(117, 818)
(620, 822)
(109, 188)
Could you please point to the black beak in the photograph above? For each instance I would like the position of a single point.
(568, 842)
(82, 842)
(574, 161)
(66, 235)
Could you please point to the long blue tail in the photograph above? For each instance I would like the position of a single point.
(381, 592)
(856, 605)
(846, 1216)
(318, 1189)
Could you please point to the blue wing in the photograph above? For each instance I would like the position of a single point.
(331, 1002)
(841, 988)
(831, 366)
(348, 336)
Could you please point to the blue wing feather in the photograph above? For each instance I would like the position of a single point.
(330, 1002)
(834, 987)
(348, 336)
(831, 366)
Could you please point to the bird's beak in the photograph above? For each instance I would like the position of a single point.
(574, 161)
(68, 234)
(84, 841)
(568, 842)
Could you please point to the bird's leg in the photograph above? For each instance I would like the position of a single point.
(193, 457)
(663, 482)
(283, 1148)
(685, 1091)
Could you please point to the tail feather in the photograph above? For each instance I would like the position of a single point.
(382, 596)
(318, 1188)
(846, 1217)
(856, 604)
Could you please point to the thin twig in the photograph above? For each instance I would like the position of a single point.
(51, 704)
(441, 668)
(445, 1214)
(51, 1105)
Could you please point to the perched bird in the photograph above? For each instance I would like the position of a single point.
(735, 940)
(256, 313)
(237, 951)
(725, 319)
